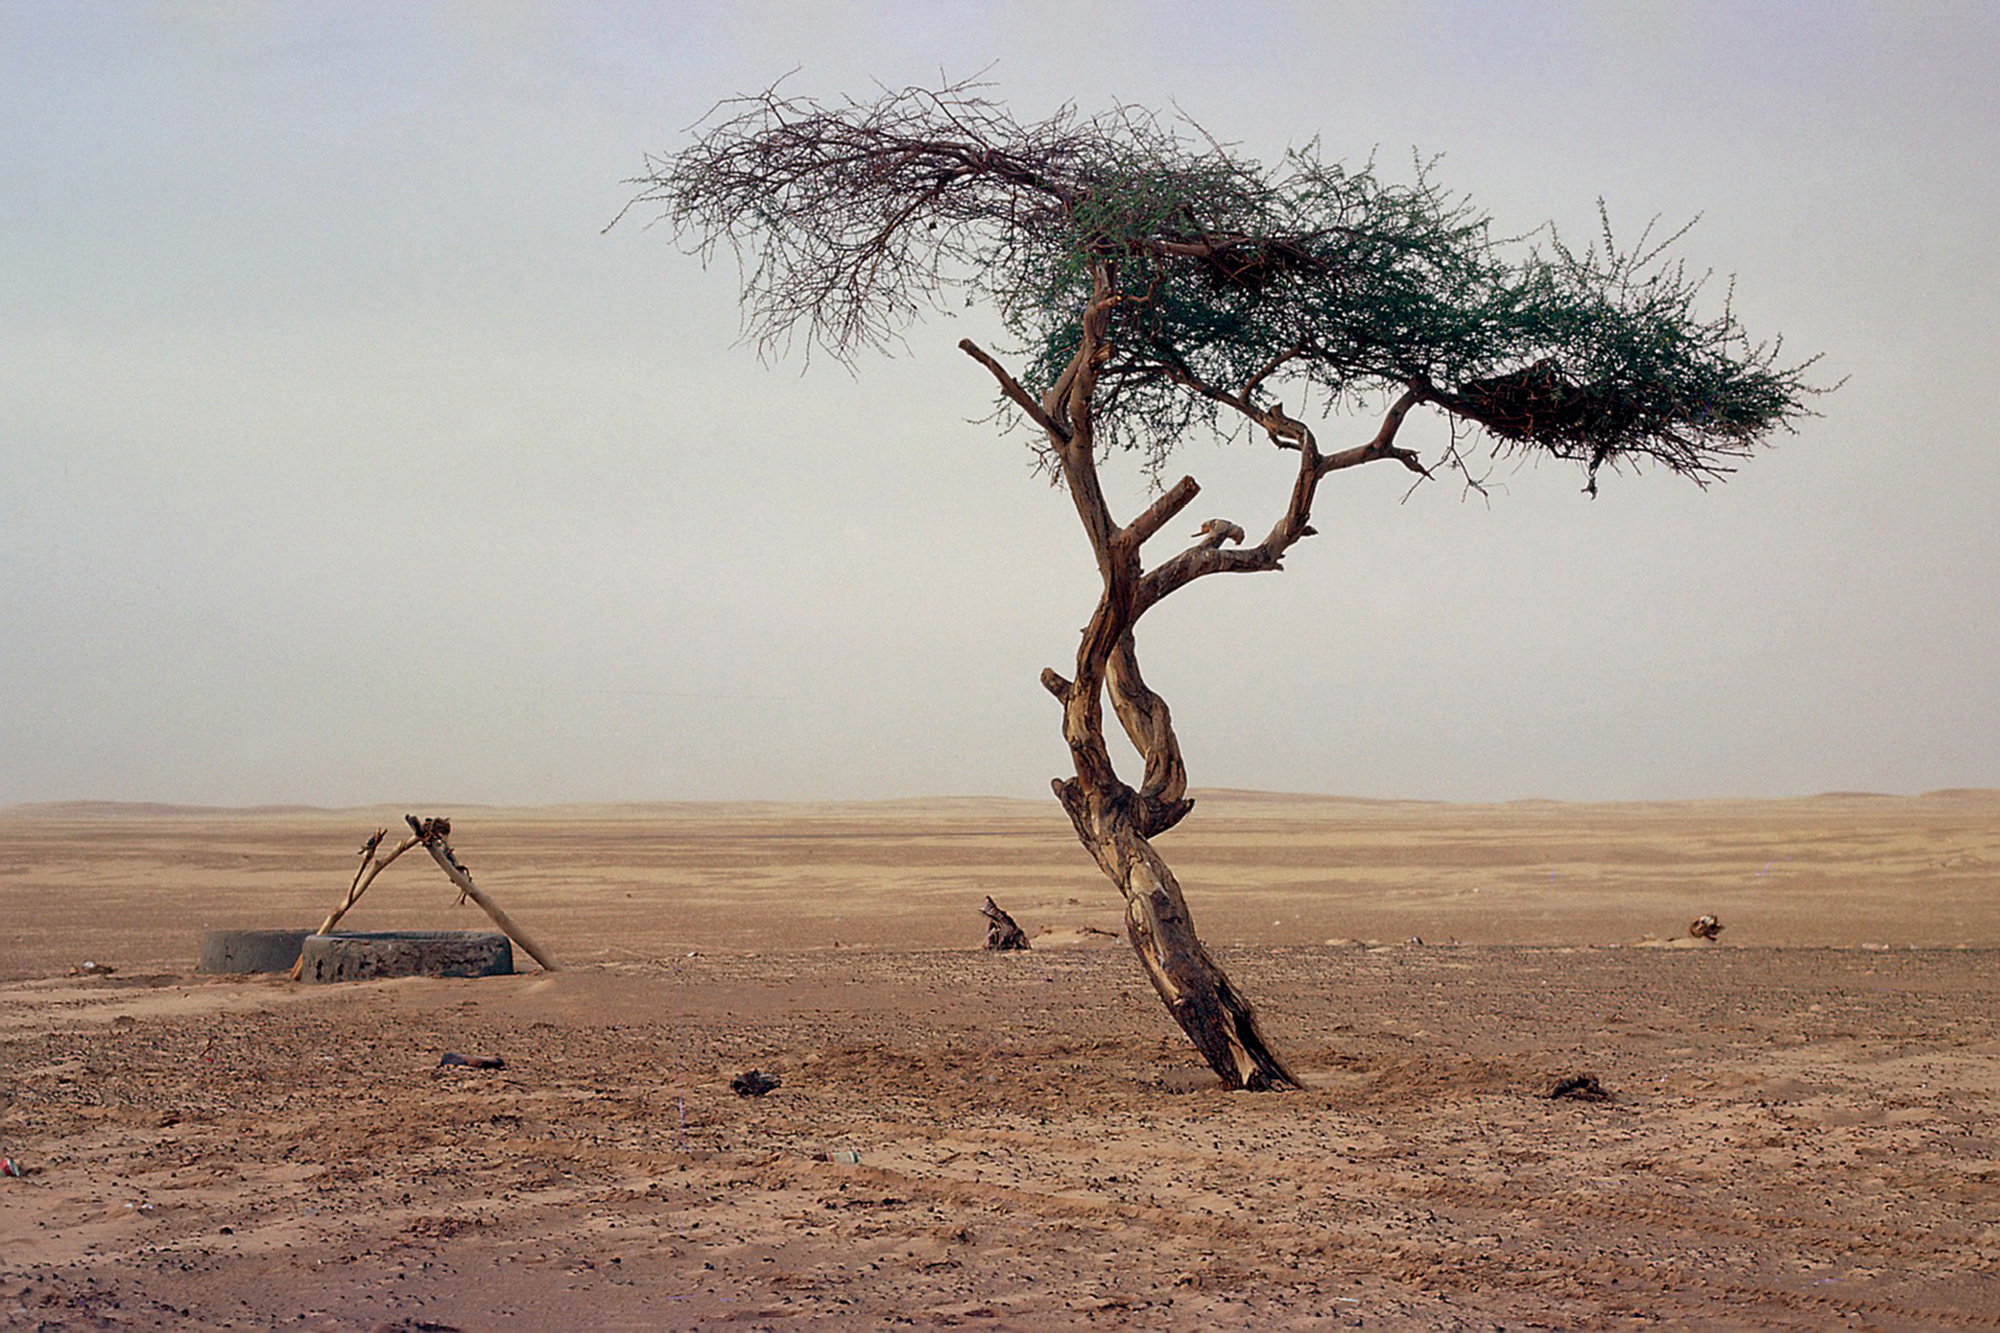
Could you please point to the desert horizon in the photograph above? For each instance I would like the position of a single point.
(84, 805)
(1260, 868)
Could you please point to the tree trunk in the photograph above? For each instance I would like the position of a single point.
(1115, 822)
(1197, 992)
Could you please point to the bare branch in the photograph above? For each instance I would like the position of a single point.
(1074, 396)
(1012, 388)
(1270, 368)
(1077, 389)
(1207, 555)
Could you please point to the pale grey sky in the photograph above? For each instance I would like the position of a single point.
(343, 460)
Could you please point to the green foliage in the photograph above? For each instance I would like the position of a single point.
(1233, 284)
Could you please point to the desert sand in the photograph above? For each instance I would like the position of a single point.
(1801, 1128)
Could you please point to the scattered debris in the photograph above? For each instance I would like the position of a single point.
(90, 969)
(1579, 1088)
(1001, 931)
(754, 1083)
(11, 1167)
(845, 1156)
(471, 1061)
(1704, 927)
(1064, 937)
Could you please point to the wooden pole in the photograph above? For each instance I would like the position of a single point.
(440, 851)
(370, 868)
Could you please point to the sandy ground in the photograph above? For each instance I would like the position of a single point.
(1802, 1129)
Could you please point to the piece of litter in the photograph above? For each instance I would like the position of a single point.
(754, 1083)
(471, 1061)
(1580, 1088)
(10, 1167)
(846, 1157)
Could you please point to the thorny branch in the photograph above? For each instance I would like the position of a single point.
(850, 220)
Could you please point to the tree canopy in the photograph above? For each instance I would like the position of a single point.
(1230, 281)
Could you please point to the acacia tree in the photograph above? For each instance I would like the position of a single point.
(1155, 284)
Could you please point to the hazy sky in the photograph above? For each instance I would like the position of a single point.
(343, 460)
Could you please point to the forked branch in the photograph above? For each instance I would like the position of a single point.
(1209, 556)
(371, 866)
(1384, 443)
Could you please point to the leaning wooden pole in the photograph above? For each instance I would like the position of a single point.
(441, 853)
(371, 866)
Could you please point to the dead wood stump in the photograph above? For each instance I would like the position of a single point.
(1001, 932)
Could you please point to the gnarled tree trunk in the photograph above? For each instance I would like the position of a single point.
(1197, 992)
(1115, 822)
